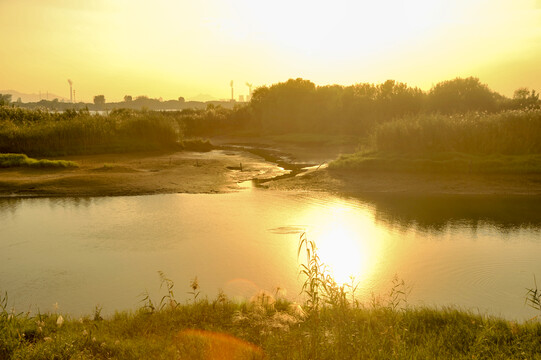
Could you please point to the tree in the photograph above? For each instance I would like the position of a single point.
(523, 98)
(5, 99)
(99, 99)
(461, 95)
(128, 98)
(181, 99)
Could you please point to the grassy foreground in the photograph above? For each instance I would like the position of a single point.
(331, 324)
(221, 329)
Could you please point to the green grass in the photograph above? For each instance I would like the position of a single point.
(506, 142)
(331, 325)
(507, 133)
(21, 160)
(445, 162)
(41, 133)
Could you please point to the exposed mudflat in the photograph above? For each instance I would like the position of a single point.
(217, 171)
(221, 171)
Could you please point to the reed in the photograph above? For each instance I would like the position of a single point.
(41, 133)
(268, 326)
(506, 142)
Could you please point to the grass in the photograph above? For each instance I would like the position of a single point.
(314, 139)
(42, 133)
(505, 142)
(445, 162)
(332, 324)
(21, 160)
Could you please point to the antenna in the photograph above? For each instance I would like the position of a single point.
(71, 91)
(232, 97)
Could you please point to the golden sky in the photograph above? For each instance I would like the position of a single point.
(166, 48)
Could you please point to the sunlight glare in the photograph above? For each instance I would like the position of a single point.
(347, 245)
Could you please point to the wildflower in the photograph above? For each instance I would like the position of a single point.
(47, 339)
(59, 321)
(85, 333)
(55, 306)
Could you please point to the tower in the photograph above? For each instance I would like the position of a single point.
(71, 90)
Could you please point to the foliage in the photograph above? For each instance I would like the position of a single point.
(5, 99)
(533, 297)
(462, 95)
(36, 132)
(203, 329)
(505, 142)
(99, 100)
(18, 160)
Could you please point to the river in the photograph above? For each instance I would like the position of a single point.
(76, 254)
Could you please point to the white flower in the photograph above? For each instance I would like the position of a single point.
(59, 321)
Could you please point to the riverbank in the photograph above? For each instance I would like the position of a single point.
(356, 182)
(271, 164)
(221, 329)
(141, 173)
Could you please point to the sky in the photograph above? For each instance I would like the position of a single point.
(168, 49)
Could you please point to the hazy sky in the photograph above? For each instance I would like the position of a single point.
(165, 48)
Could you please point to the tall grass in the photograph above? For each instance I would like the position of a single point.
(508, 133)
(505, 142)
(332, 324)
(42, 133)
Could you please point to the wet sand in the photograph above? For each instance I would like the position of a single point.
(345, 182)
(217, 171)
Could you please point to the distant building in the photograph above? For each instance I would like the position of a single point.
(241, 98)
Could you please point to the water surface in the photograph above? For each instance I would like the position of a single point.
(476, 253)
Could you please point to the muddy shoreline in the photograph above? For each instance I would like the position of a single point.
(222, 169)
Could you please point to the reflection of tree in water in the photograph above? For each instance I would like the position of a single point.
(438, 213)
(77, 202)
(9, 205)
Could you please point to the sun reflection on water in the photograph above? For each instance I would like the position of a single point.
(348, 245)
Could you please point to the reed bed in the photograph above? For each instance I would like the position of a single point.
(505, 142)
(42, 133)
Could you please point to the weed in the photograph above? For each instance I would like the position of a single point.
(169, 298)
(533, 297)
(194, 284)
